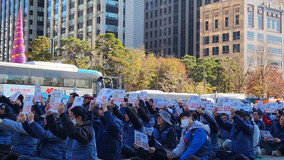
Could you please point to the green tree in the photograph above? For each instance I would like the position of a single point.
(111, 55)
(190, 64)
(40, 49)
(74, 51)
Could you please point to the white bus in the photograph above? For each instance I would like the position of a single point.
(50, 76)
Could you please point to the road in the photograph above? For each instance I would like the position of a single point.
(271, 158)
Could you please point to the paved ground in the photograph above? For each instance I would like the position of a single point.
(272, 158)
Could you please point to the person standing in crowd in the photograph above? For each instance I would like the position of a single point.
(241, 136)
(49, 146)
(71, 100)
(78, 133)
(224, 135)
(87, 100)
(195, 143)
(276, 145)
(258, 122)
(108, 133)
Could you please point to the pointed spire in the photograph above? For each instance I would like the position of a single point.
(18, 50)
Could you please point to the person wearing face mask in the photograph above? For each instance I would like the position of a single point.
(108, 133)
(242, 131)
(276, 145)
(49, 146)
(78, 133)
(195, 143)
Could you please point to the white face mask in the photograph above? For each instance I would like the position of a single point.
(74, 121)
(184, 123)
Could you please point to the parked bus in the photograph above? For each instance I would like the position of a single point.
(51, 76)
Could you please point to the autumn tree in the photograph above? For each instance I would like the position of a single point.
(74, 51)
(39, 49)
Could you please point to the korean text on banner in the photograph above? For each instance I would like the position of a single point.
(28, 103)
(78, 101)
(141, 140)
(118, 96)
(133, 97)
(104, 95)
(55, 100)
(15, 96)
(223, 105)
(193, 103)
(143, 95)
(37, 97)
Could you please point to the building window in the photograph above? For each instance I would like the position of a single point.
(250, 47)
(274, 39)
(260, 37)
(146, 35)
(215, 50)
(206, 40)
(236, 35)
(237, 19)
(250, 15)
(227, 22)
(226, 37)
(206, 26)
(274, 51)
(206, 52)
(268, 23)
(226, 49)
(260, 26)
(250, 35)
(236, 48)
(215, 39)
(216, 23)
(207, 1)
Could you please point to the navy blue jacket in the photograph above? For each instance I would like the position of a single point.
(260, 125)
(80, 140)
(108, 137)
(214, 130)
(49, 146)
(277, 131)
(241, 135)
(164, 137)
(5, 137)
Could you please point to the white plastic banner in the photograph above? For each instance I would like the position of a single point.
(55, 100)
(104, 95)
(78, 101)
(28, 103)
(143, 95)
(37, 97)
(118, 96)
(133, 97)
(193, 103)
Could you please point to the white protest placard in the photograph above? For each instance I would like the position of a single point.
(141, 140)
(37, 96)
(15, 96)
(158, 102)
(118, 96)
(28, 103)
(133, 97)
(104, 95)
(143, 95)
(78, 101)
(271, 107)
(207, 105)
(55, 100)
(266, 135)
(193, 102)
(223, 105)
(148, 131)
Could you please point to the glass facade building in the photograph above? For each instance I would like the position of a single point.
(33, 22)
(84, 19)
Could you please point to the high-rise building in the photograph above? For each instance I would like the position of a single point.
(134, 23)
(83, 19)
(171, 27)
(32, 13)
(246, 29)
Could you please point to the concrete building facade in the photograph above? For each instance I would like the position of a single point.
(33, 22)
(172, 27)
(251, 30)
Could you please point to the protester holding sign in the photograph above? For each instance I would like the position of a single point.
(276, 145)
(49, 146)
(5, 136)
(71, 100)
(78, 133)
(15, 106)
(241, 136)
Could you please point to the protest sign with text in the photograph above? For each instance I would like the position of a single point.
(104, 95)
(141, 140)
(37, 97)
(133, 97)
(28, 103)
(143, 95)
(193, 102)
(78, 101)
(55, 100)
(118, 96)
(15, 96)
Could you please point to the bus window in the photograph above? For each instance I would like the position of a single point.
(69, 82)
(83, 83)
(37, 80)
(3, 78)
(18, 79)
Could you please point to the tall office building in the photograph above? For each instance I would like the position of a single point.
(32, 13)
(134, 23)
(248, 29)
(83, 19)
(172, 26)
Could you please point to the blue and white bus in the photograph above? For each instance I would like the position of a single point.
(50, 76)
